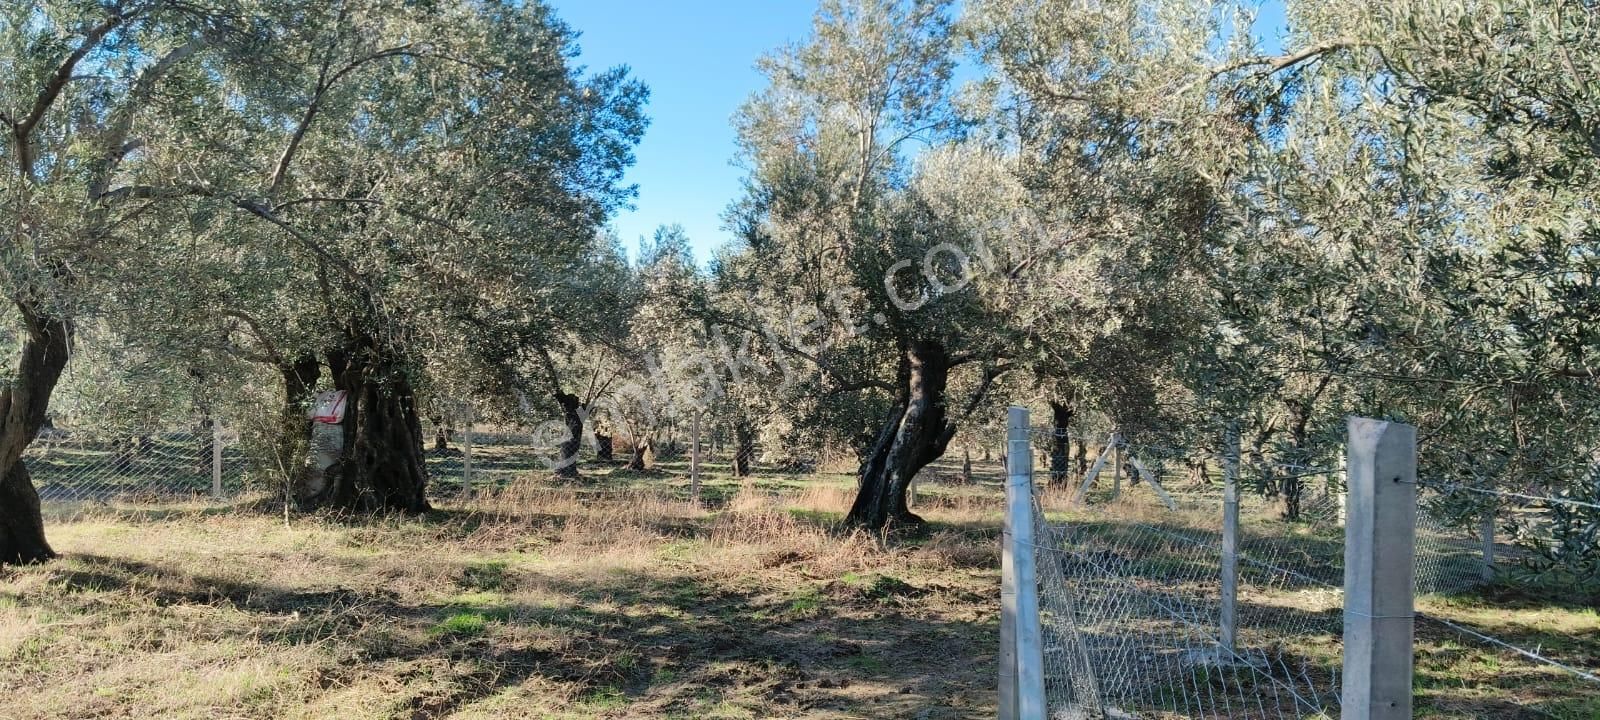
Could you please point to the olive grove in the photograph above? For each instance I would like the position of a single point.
(1137, 213)
(1132, 210)
(343, 195)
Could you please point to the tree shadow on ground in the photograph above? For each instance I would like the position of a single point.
(665, 640)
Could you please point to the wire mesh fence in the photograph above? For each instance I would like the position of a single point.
(206, 459)
(463, 457)
(1164, 594)
(69, 464)
(1133, 604)
(1463, 549)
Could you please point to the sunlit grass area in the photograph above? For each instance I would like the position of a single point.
(605, 598)
(614, 596)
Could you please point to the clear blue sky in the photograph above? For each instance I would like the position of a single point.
(698, 57)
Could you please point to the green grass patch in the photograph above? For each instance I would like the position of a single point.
(468, 623)
(604, 698)
(805, 603)
(820, 517)
(486, 575)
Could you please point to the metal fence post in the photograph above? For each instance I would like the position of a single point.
(1023, 601)
(1228, 621)
(216, 458)
(1116, 466)
(1486, 532)
(466, 451)
(1379, 555)
(694, 462)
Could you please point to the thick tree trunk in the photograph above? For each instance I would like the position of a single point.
(300, 377)
(22, 538)
(744, 447)
(441, 434)
(604, 448)
(380, 467)
(643, 458)
(127, 449)
(572, 417)
(1291, 487)
(1060, 441)
(45, 348)
(915, 433)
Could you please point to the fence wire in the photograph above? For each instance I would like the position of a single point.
(95, 465)
(1462, 534)
(1131, 601)
(69, 465)
(1131, 589)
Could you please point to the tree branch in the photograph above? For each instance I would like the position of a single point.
(22, 130)
(116, 144)
(280, 207)
(823, 365)
(860, 385)
(325, 82)
(1271, 64)
(273, 355)
(990, 374)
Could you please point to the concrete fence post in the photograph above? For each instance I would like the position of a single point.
(216, 458)
(1228, 622)
(1094, 470)
(1008, 607)
(1379, 557)
(1019, 583)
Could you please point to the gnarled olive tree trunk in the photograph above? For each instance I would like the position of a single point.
(380, 466)
(916, 432)
(45, 348)
(744, 447)
(572, 417)
(643, 458)
(441, 434)
(300, 376)
(1291, 486)
(1060, 441)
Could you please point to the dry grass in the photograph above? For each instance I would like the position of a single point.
(536, 601)
(612, 598)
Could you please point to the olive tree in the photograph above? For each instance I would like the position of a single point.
(88, 92)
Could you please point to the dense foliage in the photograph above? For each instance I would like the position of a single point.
(1130, 212)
